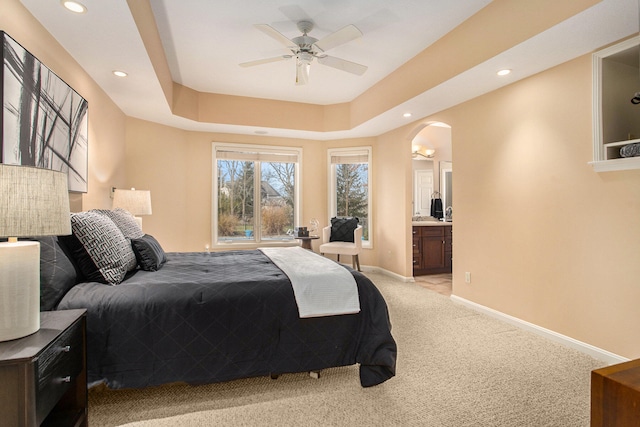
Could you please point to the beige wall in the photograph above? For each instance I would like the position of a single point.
(546, 239)
(106, 121)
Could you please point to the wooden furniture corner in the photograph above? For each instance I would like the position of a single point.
(615, 395)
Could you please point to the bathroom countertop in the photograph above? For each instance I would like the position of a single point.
(430, 223)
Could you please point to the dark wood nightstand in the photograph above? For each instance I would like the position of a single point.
(44, 375)
(306, 241)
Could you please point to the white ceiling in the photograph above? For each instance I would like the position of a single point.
(205, 40)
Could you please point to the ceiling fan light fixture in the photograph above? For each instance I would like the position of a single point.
(303, 66)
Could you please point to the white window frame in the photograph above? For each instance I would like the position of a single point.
(362, 152)
(261, 151)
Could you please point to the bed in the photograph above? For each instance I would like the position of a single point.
(206, 317)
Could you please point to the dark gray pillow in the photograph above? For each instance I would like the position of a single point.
(57, 273)
(149, 253)
(99, 248)
(342, 229)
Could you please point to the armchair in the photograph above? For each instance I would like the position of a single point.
(343, 248)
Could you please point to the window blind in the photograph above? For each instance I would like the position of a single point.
(262, 156)
(350, 157)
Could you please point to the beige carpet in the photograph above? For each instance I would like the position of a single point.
(455, 368)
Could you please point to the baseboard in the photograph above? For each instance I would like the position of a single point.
(368, 268)
(595, 352)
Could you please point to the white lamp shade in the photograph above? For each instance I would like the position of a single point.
(35, 202)
(138, 202)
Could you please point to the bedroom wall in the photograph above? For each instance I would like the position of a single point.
(106, 120)
(545, 238)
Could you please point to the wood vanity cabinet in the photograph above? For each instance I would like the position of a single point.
(431, 247)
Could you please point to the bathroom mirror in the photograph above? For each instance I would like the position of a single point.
(427, 167)
(446, 178)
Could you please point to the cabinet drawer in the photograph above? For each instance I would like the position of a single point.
(57, 367)
(433, 231)
(415, 246)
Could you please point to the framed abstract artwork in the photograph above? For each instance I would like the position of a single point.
(44, 121)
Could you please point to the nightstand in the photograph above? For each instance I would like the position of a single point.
(44, 375)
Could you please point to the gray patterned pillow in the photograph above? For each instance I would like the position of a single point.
(102, 252)
(124, 220)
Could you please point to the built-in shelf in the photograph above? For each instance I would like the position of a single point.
(616, 78)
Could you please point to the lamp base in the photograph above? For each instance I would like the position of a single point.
(19, 289)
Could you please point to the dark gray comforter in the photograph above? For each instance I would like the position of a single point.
(208, 317)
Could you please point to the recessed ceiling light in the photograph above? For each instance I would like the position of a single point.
(504, 72)
(74, 6)
(261, 132)
(407, 115)
(119, 73)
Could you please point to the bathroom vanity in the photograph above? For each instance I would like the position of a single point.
(432, 247)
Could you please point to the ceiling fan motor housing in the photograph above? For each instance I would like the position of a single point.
(305, 43)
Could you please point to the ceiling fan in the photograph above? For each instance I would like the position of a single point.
(304, 48)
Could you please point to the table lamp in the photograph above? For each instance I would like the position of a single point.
(33, 202)
(137, 202)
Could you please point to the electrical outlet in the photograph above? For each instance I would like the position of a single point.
(467, 277)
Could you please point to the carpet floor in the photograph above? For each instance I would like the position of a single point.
(456, 368)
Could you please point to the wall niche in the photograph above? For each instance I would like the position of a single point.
(616, 120)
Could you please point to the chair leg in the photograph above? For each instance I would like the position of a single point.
(356, 261)
(338, 257)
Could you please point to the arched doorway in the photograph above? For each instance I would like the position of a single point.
(432, 206)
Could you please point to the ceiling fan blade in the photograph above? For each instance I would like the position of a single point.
(346, 34)
(264, 61)
(276, 35)
(302, 72)
(342, 64)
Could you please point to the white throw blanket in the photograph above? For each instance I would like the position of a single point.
(321, 286)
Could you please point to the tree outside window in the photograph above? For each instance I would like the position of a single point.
(244, 175)
(349, 184)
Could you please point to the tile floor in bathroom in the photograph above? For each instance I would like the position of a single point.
(440, 283)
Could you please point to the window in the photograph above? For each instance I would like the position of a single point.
(349, 187)
(244, 175)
